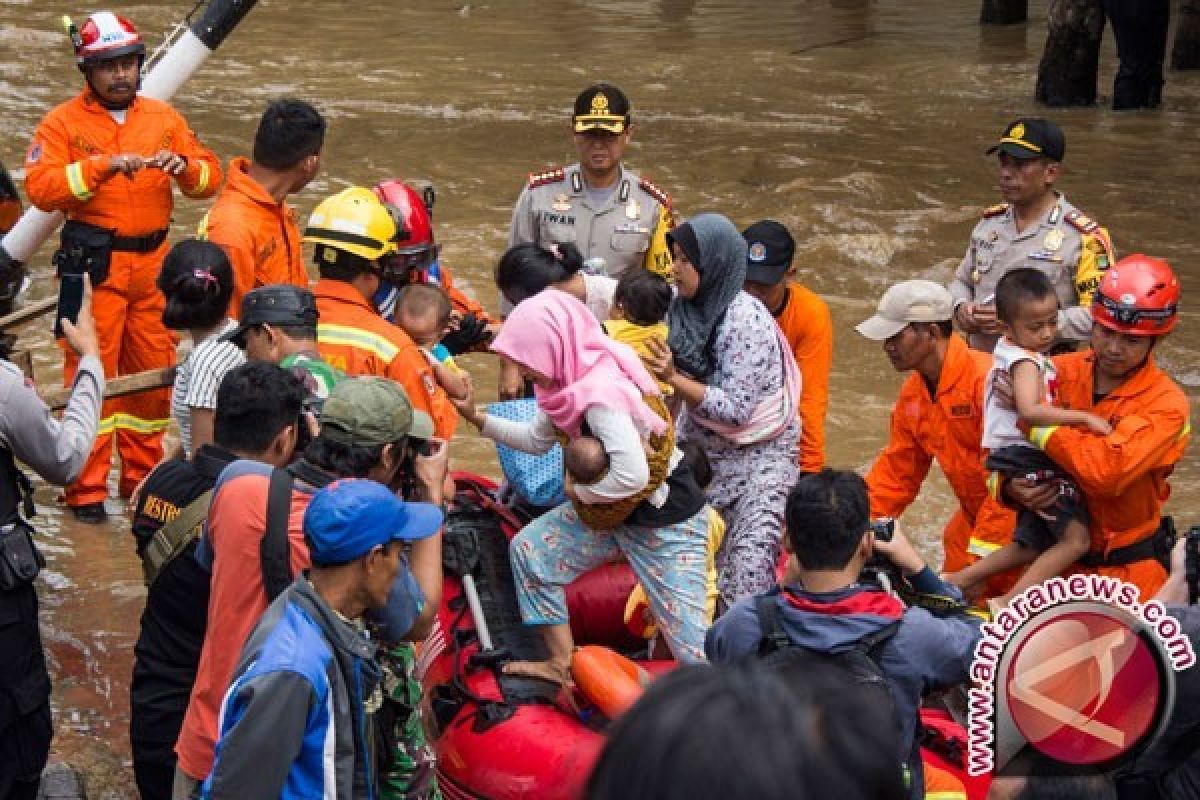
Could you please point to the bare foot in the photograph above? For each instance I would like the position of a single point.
(556, 672)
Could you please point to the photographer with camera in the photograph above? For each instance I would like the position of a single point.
(55, 450)
(254, 543)
(825, 611)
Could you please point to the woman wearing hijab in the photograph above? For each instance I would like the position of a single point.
(587, 384)
(726, 358)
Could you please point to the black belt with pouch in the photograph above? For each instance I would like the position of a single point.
(84, 250)
(20, 561)
(88, 249)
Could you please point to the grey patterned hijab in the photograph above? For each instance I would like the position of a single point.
(718, 251)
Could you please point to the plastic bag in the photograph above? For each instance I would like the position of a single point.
(537, 480)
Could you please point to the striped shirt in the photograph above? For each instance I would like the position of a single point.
(198, 377)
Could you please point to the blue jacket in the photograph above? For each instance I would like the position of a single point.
(293, 723)
(925, 654)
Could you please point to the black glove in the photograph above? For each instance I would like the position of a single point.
(471, 332)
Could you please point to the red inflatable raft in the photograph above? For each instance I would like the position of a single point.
(500, 737)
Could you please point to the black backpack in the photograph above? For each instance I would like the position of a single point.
(861, 662)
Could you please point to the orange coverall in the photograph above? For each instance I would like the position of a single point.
(66, 170)
(352, 337)
(808, 328)
(1123, 476)
(259, 235)
(948, 428)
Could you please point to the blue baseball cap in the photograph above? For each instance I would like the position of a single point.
(348, 518)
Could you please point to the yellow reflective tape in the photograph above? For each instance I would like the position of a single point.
(107, 425)
(1040, 434)
(1187, 430)
(201, 182)
(993, 485)
(202, 228)
(76, 181)
(128, 422)
(328, 333)
(978, 547)
(953, 794)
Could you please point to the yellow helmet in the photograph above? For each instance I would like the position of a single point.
(353, 221)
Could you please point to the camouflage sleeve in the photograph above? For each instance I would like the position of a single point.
(1095, 256)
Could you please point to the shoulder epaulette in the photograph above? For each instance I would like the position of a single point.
(654, 190)
(1082, 222)
(555, 175)
(994, 211)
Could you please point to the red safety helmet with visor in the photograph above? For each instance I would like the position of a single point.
(1139, 295)
(412, 211)
(105, 36)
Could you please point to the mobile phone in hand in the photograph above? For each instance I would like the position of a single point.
(70, 301)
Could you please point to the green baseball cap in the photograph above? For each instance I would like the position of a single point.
(372, 411)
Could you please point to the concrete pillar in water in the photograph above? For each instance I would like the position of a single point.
(1067, 73)
(1003, 12)
(1185, 54)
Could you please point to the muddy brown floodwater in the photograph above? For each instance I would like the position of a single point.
(860, 124)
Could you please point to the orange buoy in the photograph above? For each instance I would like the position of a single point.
(609, 680)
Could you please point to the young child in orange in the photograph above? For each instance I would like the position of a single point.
(423, 311)
(1049, 542)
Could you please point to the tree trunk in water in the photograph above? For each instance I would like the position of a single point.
(1003, 12)
(1186, 52)
(1067, 74)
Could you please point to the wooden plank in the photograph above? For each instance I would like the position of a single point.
(119, 387)
(27, 313)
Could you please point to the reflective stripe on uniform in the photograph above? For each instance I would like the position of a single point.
(994, 482)
(76, 181)
(1040, 434)
(201, 182)
(952, 794)
(978, 547)
(129, 422)
(202, 228)
(328, 333)
(1187, 430)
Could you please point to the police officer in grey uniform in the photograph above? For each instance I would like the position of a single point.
(610, 213)
(606, 210)
(56, 450)
(1035, 228)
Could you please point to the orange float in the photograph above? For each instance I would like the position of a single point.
(610, 681)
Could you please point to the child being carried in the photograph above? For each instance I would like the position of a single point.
(1052, 540)
(639, 312)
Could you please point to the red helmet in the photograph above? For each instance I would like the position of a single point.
(1139, 295)
(106, 36)
(418, 249)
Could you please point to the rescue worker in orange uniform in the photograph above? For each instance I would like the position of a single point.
(353, 233)
(938, 416)
(251, 219)
(806, 324)
(1123, 476)
(107, 158)
(417, 260)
